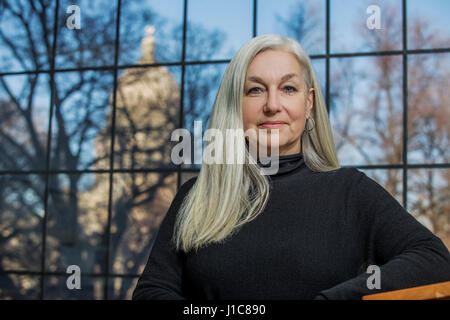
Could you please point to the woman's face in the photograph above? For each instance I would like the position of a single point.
(276, 97)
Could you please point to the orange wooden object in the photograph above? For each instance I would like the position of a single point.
(436, 291)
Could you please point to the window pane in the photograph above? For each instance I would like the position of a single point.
(136, 45)
(303, 21)
(201, 87)
(21, 215)
(24, 113)
(217, 29)
(81, 125)
(84, 47)
(319, 69)
(140, 203)
(25, 38)
(390, 179)
(148, 103)
(18, 287)
(55, 288)
(121, 288)
(429, 200)
(428, 25)
(366, 109)
(77, 219)
(349, 25)
(428, 108)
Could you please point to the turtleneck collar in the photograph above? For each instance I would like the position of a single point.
(286, 163)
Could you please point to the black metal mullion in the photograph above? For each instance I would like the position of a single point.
(48, 154)
(194, 62)
(64, 274)
(183, 72)
(174, 170)
(405, 104)
(111, 159)
(255, 18)
(327, 56)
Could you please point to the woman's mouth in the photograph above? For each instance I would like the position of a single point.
(272, 124)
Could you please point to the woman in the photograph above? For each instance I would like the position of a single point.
(310, 230)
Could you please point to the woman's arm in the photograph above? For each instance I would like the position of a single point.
(162, 277)
(407, 253)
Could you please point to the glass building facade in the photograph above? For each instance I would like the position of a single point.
(90, 92)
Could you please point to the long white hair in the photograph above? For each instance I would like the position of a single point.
(226, 196)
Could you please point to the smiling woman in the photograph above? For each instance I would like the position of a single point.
(276, 96)
(312, 230)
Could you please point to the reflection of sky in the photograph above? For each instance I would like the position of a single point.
(347, 15)
(344, 14)
(232, 16)
(272, 14)
(434, 12)
(365, 76)
(235, 19)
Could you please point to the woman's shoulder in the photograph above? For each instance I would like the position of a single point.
(341, 179)
(347, 173)
(366, 187)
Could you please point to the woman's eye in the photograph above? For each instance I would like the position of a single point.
(290, 89)
(255, 90)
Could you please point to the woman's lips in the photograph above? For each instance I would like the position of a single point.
(272, 125)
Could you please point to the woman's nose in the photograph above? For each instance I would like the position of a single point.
(272, 101)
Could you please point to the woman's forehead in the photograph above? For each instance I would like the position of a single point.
(276, 64)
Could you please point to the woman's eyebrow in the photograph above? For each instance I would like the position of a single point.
(283, 78)
(289, 76)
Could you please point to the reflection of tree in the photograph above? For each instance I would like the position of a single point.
(302, 24)
(381, 117)
(377, 121)
(198, 92)
(429, 129)
(147, 102)
(147, 112)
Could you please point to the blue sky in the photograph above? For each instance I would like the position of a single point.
(235, 17)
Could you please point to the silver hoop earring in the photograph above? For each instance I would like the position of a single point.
(310, 127)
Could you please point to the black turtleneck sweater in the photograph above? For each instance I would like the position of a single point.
(315, 239)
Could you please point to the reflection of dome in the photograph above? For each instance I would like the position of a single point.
(147, 103)
(148, 46)
(148, 99)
